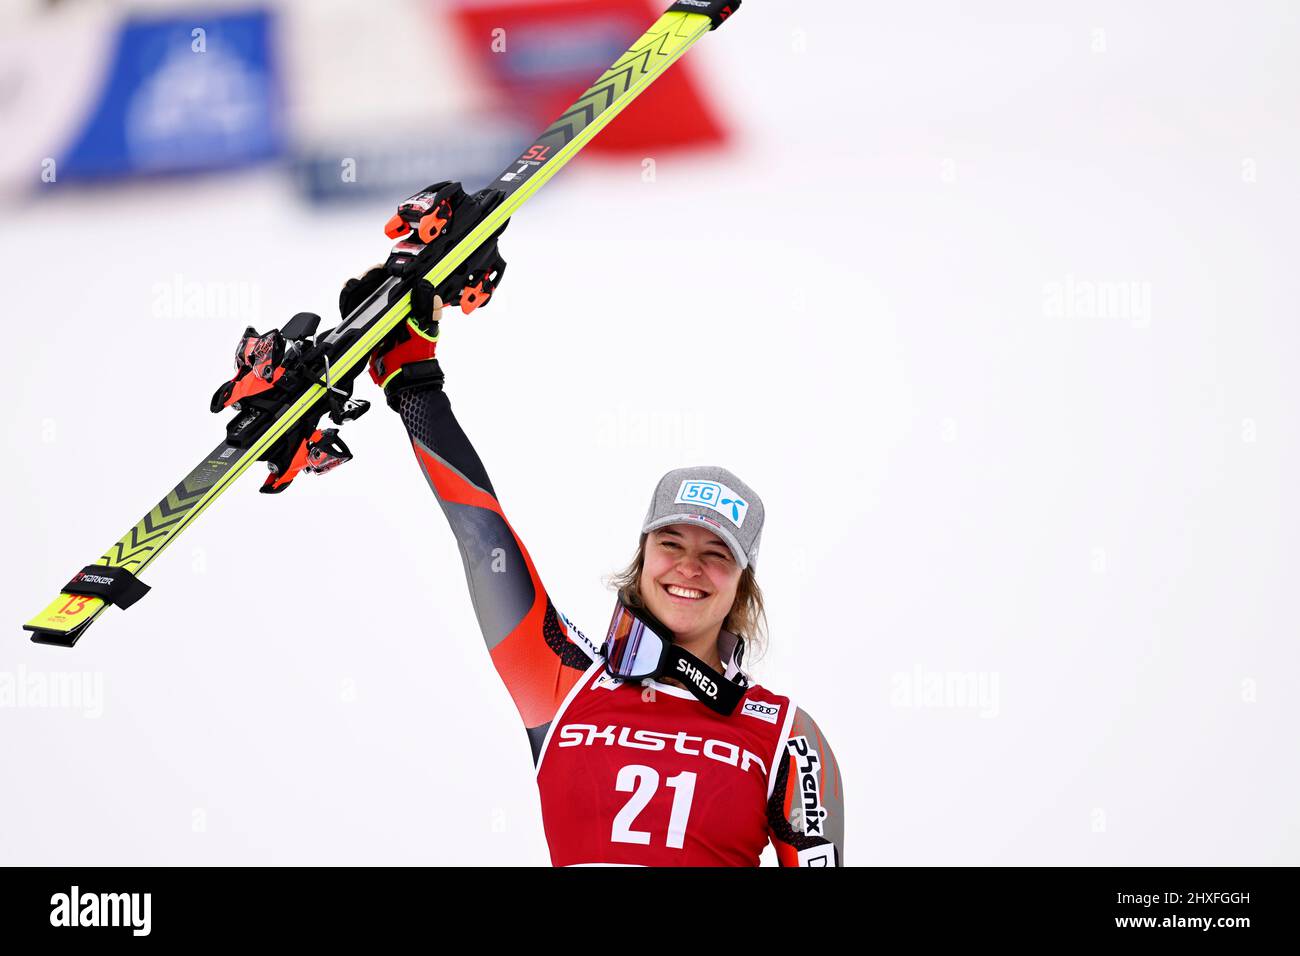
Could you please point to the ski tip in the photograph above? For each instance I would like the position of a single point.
(716, 10)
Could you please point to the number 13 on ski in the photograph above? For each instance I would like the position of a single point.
(288, 378)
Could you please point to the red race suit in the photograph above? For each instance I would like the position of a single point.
(628, 773)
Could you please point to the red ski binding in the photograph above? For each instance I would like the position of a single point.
(315, 455)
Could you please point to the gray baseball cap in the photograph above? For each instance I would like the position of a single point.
(712, 498)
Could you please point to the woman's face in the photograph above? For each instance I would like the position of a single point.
(689, 580)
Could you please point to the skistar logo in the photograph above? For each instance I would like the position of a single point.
(767, 712)
(698, 678)
(589, 735)
(809, 766)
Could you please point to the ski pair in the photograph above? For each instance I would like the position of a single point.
(287, 380)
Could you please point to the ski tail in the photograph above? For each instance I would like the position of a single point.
(65, 619)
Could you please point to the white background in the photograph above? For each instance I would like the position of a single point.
(852, 309)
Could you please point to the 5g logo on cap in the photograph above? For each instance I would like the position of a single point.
(715, 496)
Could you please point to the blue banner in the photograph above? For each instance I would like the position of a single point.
(184, 94)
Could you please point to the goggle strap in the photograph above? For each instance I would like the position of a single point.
(710, 687)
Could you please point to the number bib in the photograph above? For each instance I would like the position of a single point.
(647, 774)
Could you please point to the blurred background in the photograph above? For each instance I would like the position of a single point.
(997, 302)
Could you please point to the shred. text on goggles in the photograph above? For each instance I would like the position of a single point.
(637, 647)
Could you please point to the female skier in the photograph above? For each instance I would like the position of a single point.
(655, 748)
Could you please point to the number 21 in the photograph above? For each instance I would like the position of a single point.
(642, 782)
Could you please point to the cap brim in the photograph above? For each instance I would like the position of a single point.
(737, 552)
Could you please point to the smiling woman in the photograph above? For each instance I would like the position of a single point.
(655, 748)
(665, 548)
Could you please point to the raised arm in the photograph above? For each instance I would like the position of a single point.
(539, 655)
(805, 813)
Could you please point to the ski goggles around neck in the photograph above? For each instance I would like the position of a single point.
(638, 647)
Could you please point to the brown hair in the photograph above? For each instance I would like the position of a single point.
(746, 618)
